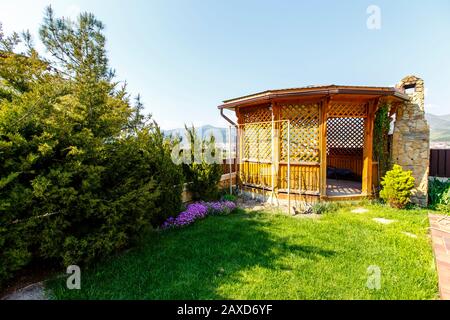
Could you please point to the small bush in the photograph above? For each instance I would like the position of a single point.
(439, 195)
(203, 172)
(325, 207)
(396, 187)
(229, 197)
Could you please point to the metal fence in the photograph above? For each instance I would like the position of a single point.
(440, 163)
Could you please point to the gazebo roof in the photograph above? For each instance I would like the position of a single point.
(320, 91)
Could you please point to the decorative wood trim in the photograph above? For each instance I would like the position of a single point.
(302, 163)
(268, 96)
(254, 160)
(299, 101)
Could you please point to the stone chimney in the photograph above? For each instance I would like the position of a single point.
(413, 86)
(411, 139)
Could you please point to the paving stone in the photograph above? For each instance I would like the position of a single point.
(440, 237)
(383, 220)
(359, 210)
(411, 235)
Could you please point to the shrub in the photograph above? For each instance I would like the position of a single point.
(396, 187)
(168, 176)
(229, 197)
(324, 207)
(14, 253)
(203, 172)
(439, 195)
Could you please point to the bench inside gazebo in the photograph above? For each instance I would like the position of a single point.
(309, 143)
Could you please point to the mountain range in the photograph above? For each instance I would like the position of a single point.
(439, 126)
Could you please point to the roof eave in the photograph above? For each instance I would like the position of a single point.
(270, 95)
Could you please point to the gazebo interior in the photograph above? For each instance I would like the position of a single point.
(313, 142)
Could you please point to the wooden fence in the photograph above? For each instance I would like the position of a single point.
(226, 166)
(440, 163)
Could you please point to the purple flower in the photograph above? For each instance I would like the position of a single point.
(199, 210)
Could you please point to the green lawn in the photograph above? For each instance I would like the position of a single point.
(257, 255)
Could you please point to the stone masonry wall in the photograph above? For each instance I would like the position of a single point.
(411, 138)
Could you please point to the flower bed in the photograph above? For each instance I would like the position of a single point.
(199, 210)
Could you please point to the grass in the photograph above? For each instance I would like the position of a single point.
(258, 255)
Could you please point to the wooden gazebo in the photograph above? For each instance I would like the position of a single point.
(309, 143)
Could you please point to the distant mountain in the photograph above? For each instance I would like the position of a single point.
(221, 134)
(439, 127)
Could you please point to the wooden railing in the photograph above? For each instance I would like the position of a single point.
(304, 177)
(256, 174)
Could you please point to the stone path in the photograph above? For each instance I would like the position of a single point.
(256, 205)
(440, 235)
(360, 210)
(383, 220)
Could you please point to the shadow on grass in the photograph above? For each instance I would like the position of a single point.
(193, 262)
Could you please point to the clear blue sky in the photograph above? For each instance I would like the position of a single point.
(185, 57)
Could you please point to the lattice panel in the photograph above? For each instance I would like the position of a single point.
(347, 110)
(261, 114)
(257, 141)
(304, 132)
(345, 136)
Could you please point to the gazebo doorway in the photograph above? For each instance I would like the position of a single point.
(345, 147)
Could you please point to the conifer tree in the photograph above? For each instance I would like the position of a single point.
(82, 170)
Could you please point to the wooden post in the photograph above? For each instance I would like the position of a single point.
(229, 159)
(323, 111)
(239, 148)
(289, 164)
(367, 174)
(275, 147)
